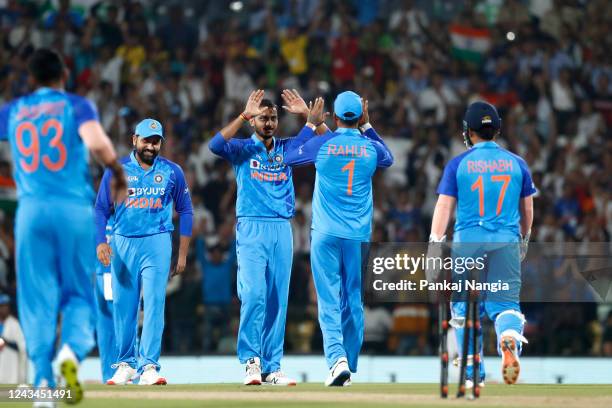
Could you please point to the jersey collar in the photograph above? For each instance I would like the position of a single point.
(343, 130)
(261, 144)
(485, 145)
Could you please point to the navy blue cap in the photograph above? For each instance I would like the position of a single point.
(347, 106)
(480, 114)
(149, 127)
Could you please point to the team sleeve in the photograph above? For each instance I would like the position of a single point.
(4, 119)
(103, 207)
(228, 149)
(307, 152)
(384, 155)
(528, 187)
(295, 142)
(448, 183)
(182, 203)
(84, 111)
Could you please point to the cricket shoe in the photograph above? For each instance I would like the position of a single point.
(510, 361)
(150, 376)
(278, 378)
(339, 374)
(69, 369)
(123, 374)
(253, 372)
(469, 384)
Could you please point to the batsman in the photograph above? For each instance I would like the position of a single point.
(492, 192)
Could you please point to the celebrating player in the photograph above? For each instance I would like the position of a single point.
(142, 249)
(345, 162)
(49, 131)
(492, 191)
(264, 243)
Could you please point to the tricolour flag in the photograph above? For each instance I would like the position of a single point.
(470, 44)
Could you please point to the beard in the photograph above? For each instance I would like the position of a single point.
(147, 155)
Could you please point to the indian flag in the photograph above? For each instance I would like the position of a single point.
(470, 44)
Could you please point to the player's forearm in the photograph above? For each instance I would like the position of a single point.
(526, 214)
(234, 126)
(441, 216)
(98, 143)
(184, 246)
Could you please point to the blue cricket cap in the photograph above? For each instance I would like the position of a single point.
(149, 127)
(480, 114)
(347, 106)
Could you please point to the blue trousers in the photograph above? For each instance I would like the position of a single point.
(336, 269)
(503, 263)
(140, 264)
(105, 328)
(264, 249)
(55, 250)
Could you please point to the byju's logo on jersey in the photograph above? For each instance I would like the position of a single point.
(255, 164)
(158, 178)
(131, 192)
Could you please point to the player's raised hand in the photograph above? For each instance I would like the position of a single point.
(104, 253)
(365, 117)
(316, 114)
(294, 103)
(252, 107)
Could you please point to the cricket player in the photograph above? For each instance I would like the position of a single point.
(105, 328)
(345, 162)
(264, 242)
(50, 132)
(142, 248)
(492, 192)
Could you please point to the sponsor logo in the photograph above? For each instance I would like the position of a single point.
(146, 191)
(132, 178)
(486, 119)
(255, 164)
(158, 178)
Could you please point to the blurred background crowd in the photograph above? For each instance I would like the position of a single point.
(545, 64)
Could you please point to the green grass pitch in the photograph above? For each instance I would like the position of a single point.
(357, 396)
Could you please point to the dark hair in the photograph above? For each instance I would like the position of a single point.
(267, 103)
(487, 132)
(46, 66)
(349, 122)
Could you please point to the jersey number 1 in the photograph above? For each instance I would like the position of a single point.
(350, 166)
(479, 185)
(33, 149)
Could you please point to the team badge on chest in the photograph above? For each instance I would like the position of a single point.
(158, 178)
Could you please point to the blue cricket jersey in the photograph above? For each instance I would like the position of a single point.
(488, 183)
(50, 159)
(265, 185)
(147, 210)
(345, 161)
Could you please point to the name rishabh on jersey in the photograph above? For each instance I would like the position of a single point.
(488, 183)
(50, 158)
(345, 161)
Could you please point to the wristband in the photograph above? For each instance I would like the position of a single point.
(365, 127)
(311, 125)
(244, 117)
